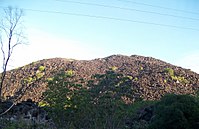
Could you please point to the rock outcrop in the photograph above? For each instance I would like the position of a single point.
(26, 111)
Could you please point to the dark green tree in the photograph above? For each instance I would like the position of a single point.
(176, 112)
(109, 94)
(58, 98)
(99, 103)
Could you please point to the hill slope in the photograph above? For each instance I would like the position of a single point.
(152, 78)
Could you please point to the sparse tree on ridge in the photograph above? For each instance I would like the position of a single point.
(11, 35)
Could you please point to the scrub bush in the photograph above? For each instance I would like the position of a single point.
(176, 112)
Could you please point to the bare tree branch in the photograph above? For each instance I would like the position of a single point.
(10, 27)
(7, 109)
(3, 54)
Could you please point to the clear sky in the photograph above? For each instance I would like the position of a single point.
(88, 29)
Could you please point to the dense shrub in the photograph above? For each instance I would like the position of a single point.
(21, 124)
(99, 104)
(176, 112)
(58, 99)
(106, 92)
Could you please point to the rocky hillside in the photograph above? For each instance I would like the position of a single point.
(152, 78)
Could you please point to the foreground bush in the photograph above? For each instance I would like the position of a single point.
(99, 104)
(176, 112)
(21, 124)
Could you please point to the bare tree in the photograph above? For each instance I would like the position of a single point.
(11, 35)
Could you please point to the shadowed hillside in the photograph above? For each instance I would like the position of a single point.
(151, 78)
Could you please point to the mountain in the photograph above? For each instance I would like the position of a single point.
(151, 78)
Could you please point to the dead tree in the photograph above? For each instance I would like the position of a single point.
(11, 35)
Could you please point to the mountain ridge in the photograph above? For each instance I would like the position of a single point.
(151, 77)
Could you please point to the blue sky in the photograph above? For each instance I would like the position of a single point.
(88, 29)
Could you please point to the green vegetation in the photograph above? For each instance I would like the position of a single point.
(41, 68)
(39, 75)
(176, 112)
(171, 73)
(49, 79)
(40, 72)
(29, 80)
(180, 79)
(21, 124)
(136, 79)
(130, 77)
(106, 102)
(113, 68)
(69, 73)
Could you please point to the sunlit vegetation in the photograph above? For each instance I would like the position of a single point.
(69, 73)
(103, 103)
(141, 68)
(170, 71)
(108, 102)
(29, 80)
(135, 79)
(113, 68)
(179, 79)
(41, 68)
